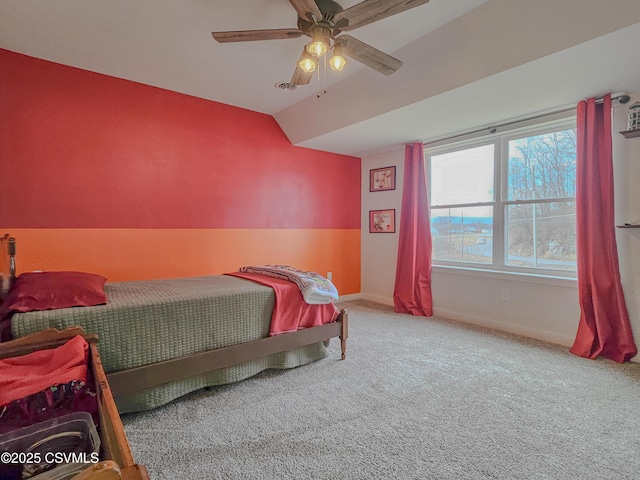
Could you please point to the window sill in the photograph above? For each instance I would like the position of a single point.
(510, 276)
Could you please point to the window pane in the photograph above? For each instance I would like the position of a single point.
(465, 176)
(462, 234)
(543, 166)
(542, 235)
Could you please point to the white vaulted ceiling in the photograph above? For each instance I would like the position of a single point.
(467, 63)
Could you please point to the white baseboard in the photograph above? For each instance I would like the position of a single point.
(347, 298)
(530, 332)
(536, 333)
(377, 299)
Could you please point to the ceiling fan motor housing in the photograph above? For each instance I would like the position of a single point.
(329, 9)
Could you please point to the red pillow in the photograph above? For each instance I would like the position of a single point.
(50, 290)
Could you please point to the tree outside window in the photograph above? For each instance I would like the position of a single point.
(506, 202)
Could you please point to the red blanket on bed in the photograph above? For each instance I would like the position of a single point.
(291, 312)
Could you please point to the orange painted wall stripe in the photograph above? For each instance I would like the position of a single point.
(136, 254)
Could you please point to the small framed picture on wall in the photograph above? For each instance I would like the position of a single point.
(381, 179)
(382, 221)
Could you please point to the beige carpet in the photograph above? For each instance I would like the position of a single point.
(416, 398)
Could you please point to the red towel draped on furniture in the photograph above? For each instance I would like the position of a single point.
(27, 374)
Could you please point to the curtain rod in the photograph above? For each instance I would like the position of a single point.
(622, 98)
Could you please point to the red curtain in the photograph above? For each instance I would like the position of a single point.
(412, 292)
(604, 327)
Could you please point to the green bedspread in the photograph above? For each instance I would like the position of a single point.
(154, 320)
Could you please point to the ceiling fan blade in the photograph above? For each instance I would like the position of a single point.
(252, 35)
(306, 7)
(370, 11)
(368, 55)
(300, 77)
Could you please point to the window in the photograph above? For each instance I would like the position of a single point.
(506, 201)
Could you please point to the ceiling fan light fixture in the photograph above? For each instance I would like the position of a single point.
(337, 60)
(307, 65)
(320, 41)
(307, 62)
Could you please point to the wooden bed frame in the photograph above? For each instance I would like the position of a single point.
(140, 378)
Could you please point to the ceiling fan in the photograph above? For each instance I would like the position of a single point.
(324, 21)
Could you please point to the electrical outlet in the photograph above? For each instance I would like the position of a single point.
(330, 276)
(504, 294)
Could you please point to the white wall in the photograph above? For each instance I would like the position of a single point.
(544, 309)
(626, 163)
(380, 250)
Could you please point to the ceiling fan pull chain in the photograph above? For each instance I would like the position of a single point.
(324, 75)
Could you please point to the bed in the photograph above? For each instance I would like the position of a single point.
(162, 339)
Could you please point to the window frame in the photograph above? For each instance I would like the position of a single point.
(500, 204)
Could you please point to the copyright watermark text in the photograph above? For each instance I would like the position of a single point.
(26, 458)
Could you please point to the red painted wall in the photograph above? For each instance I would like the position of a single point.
(80, 151)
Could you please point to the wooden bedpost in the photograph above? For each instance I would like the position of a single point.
(11, 247)
(344, 332)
